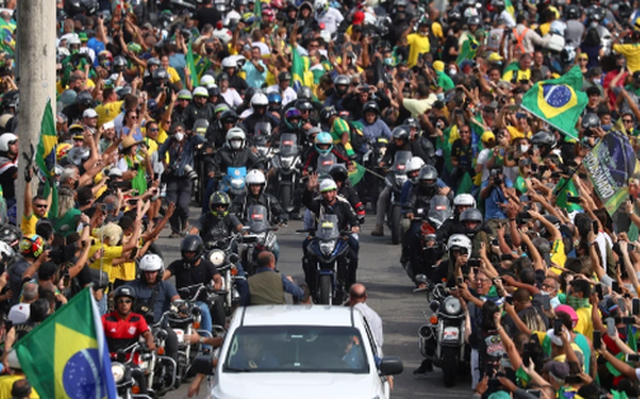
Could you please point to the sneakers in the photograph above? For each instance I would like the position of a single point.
(426, 366)
(378, 231)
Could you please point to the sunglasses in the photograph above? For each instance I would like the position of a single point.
(154, 130)
(627, 120)
(125, 301)
(133, 117)
(40, 205)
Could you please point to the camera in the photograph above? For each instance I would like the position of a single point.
(190, 173)
(495, 175)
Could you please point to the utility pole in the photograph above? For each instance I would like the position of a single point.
(36, 45)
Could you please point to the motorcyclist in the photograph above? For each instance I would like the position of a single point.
(184, 99)
(340, 87)
(323, 146)
(218, 223)
(329, 202)
(355, 102)
(155, 297)
(400, 142)
(227, 119)
(259, 103)
(292, 123)
(256, 195)
(472, 224)
(199, 108)
(461, 203)
(373, 126)
(235, 153)
(340, 175)
(193, 269)
(420, 146)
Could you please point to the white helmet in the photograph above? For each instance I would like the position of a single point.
(206, 80)
(235, 134)
(5, 139)
(557, 27)
(73, 40)
(151, 263)
(464, 200)
(6, 252)
(229, 62)
(259, 100)
(200, 91)
(459, 241)
(255, 177)
(224, 35)
(415, 163)
(327, 185)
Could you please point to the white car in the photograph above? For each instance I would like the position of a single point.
(294, 351)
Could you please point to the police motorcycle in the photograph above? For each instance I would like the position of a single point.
(222, 253)
(432, 219)
(260, 236)
(442, 339)
(329, 250)
(286, 163)
(395, 179)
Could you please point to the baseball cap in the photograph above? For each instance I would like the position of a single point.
(558, 369)
(556, 339)
(568, 310)
(495, 57)
(486, 136)
(89, 113)
(438, 65)
(115, 172)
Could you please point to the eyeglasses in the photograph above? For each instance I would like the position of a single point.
(548, 287)
(40, 205)
(482, 280)
(154, 130)
(127, 301)
(627, 120)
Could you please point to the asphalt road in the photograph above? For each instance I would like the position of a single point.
(390, 293)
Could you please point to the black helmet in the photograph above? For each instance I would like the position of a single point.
(596, 13)
(473, 20)
(590, 121)
(229, 116)
(125, 91)
(305, 93)
(153, 61)
(219, 198)
(304, 105)
(200, 126)
(573, 12)
(454, 15)
(412, 123)
(11, 99)
(11, 235)
(124, 290)
(85, 98)
(160, 75)
(328, 112)
(544, 138)
(371, 106)
(341, 80)
(119, 63)
(284, 76)
(339, 172)
(223, 76)
(192, 243)
(428, 177)
(471, 215)
(213, 91)
(401, 132)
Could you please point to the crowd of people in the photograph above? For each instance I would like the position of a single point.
(162, 104)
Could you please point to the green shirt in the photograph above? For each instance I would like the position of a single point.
(445, 81)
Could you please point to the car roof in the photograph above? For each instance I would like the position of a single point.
(309, 315)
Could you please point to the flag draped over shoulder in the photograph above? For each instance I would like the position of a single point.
(46, 156)
(357, 174)
(297, 69)
(66, 356)
(468, 50)
(191, 64)
(559, 102)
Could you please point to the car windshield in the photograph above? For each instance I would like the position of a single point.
(297, 349)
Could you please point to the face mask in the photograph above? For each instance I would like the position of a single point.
(235, 144)
(179, 136)
(452, 72)
(593, 24)
(577, 303)
(606, 127)
(524, 148)
(596, 81)
(388, 61)
(440, 96)
(424, 33)
(555, 301)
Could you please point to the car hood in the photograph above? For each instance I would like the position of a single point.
(295, 385)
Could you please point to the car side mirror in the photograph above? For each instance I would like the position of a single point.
(203, 365)
(390, 366)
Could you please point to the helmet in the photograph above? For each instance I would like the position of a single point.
(275, 98)
(557, 27)
(6, 252)
(473, 20)
(11, 235)
(304, 105)
(119, 64)
(213, 90)
(471, 215)
(223, 76)
(124, 290)
(200, 126)
(544, 138)
(229, 116)
(341, 80)
(327, 112)
(206, 80)
(73, 40)
(160, 75)
(589, 121)
(200, 92)
(401, 132)
(428, 173)
(229, 62)
(32, 245)
(255, 177)
(61, 150)
(414, 164)
(84, 98)
(459, 241)
(292, 113)
(573, 11)
(185, 94)
(153, 61)
(105, 59)
(464, 200)
(235, 134)
(323, 138)
(221, 108)
(498, 3)
(327, 185)
(192, 243)
(454, 15)
(5, 139)
(412, 123)
(596, 13)
(304, 93)
(371, 106)
(268, 14)
(151, 263)
(259, 100)
(339, 172)
(321, 7)
(250, 21)
(284, 76)
(219, 198)
(278, 4)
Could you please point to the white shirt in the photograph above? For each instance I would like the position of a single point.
(331, 20)
(288, 95)
(508, 19)
(603, 240)
(264, 49)
(483, 157)
(232, 97)
(374, 321)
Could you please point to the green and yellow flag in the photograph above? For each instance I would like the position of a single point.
(46, 156)
(191, 64)
(559, 102)
(508, 5)
(468, 50)
(66, 356)
(297, 70)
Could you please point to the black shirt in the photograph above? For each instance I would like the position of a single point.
(186, 276)
(207, 15)
(451, 42)
(212, 228)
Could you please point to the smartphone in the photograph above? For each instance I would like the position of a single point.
(66, 280)
(525, 198)
(495, 242)
(509, 300)
(597, 339)
(514, 108)
(632, 357)
(573, 379)
(599, 291)
(635, 306)
(534, 392)
(615, 286)
(573, 199)
(473, 262)
(506, 257)
(475, 270)
(546, 302)
(132, 201)
(459, 280)
(594, 225)
(557, 327)
(611, 326)
(629, 320)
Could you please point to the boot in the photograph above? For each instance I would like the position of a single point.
(378, 231)
(425, 366)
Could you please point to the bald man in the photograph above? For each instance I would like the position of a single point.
(357, 300)
(267, 286)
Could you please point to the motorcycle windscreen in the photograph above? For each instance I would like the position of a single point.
(400, 161)
(236, 176)
(262, 129)
(257, 218)
(288, 145)
(325, 162)
(328, 227)
(439, 210)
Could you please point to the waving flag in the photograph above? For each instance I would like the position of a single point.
(297, 70)
(558, 101)
(468, 50)
(66, 356)
(191, 64)
(46, 156)
(508, 5)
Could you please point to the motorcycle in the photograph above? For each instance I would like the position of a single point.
(370, 190)
(329, 251)
(260, 237)
(395, 179)
(286, 163)
(442, 339)
(233, 182)
(325, 162)
(129, 378)
(221, 254)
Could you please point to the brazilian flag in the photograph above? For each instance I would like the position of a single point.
(191, 64)
(46, 156)
(66, 356)
(559, 102)
(509, 7)
(468, 49)
(564, 189)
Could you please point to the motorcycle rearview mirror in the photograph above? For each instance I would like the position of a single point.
(121, 357)
(421, 278)
(203, 365)
(196, 311)
(434, 305)
(162, 334)
(234, 258)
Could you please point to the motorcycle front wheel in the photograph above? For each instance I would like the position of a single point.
(449, 365)
(325, 287)
(396, 227)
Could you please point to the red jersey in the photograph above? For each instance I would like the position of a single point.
(122, 333)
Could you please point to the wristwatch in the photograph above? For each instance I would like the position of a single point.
(201, 340)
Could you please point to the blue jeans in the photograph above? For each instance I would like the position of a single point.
(205, 322)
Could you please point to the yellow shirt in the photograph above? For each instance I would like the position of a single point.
(585, 324)
(173, 75)
(436, 28)
(516, 134)
(96, 180)
(418, 44)
(6, 383)
(28, 225)
(127, 270)
(544, 28)
(108, 112)
(631, 53)
(508, 76)
(59, 88)
(558, 256)
(106, 261)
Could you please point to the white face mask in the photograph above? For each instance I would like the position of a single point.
(596, 81)
(179, 136)
(440, 96)
(236, 144)
(524, 148)
(452, 72)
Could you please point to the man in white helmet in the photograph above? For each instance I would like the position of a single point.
(256, 184)
(9, 167)
(199, 108)
(260, 120)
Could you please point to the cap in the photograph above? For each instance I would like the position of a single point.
(438, 65)
(115, 172)
(556, 339)
(568, 310)
(89, 113)
(358, 17)
(486, 136)
(583, 56)
(147, 25)
(19, 313)
(128, 142)
(558, 369)
(495, 57)
(4, 119)
(78, 137)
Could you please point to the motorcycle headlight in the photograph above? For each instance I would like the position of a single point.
(262, 237)
(237, 183)
(286, 162)
(326, 247)
(118, 372)
(217, 257)
(262, 150)
(452, 305)
(401, 179)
